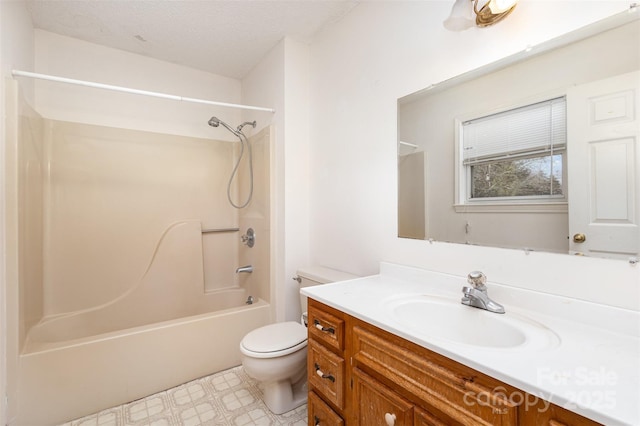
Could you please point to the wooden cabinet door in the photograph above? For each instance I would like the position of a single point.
(377, 405)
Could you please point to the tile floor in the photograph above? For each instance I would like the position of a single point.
(228, 398)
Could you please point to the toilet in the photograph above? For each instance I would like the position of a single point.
(276, 355)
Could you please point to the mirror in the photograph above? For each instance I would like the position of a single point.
(596, 211)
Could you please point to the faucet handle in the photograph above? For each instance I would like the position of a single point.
(477, 279)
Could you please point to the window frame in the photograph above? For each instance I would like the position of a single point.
(534, 203)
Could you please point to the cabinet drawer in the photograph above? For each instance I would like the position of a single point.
(379, 405)
(433, 381)
(543, 413)
(320, 414)
(326, 327)
(429, 418)
(326, 373)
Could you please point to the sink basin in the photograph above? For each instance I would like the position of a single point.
(439, 318)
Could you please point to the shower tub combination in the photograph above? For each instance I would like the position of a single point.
(131, 296)
(83, 376)
(80, 363)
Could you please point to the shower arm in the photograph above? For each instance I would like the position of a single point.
(250, 123)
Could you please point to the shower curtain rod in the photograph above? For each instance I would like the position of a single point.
(18, 73)
(412, 145)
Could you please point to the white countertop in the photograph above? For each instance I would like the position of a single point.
(592, 368)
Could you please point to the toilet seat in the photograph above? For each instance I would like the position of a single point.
(274, 340)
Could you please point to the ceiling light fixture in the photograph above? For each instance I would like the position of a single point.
(490, 12)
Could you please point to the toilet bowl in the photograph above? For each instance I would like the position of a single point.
(276, 355)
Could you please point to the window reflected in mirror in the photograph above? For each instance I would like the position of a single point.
(530, 151)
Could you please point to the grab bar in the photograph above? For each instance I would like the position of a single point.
(209, 231)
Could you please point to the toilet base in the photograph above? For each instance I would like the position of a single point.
(281, 396)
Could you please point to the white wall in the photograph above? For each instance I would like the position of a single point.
(16, 37)
(264, 86)
(16, 52)
(296, 170)
(385, 50)
(68, 57)
(281, 81)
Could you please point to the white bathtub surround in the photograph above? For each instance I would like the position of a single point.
(589, 367)
(87, 375)
(124, 295)
(228, 398)
(171, 288)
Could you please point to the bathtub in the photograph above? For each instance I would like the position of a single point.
(165, 331)
(63, 380)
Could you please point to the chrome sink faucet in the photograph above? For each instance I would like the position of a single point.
(477, 296)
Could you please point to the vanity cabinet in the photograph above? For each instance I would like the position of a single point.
(362, 375)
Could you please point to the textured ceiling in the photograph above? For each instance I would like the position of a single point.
(220, 36)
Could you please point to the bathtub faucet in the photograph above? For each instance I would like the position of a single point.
(247, 268)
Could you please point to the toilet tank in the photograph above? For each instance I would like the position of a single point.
(316, 275)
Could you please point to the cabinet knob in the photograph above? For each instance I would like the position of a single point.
(390, 419)
(579, 238)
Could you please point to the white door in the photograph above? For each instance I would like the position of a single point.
(603, 167)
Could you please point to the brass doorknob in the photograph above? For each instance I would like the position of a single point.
(579, 238)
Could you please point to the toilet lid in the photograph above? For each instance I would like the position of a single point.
(277, 337)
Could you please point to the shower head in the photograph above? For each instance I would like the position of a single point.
(244, 142)
(215, 122)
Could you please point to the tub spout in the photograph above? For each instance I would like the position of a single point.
(247, 268)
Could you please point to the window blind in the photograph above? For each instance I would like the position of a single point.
(537, 128)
